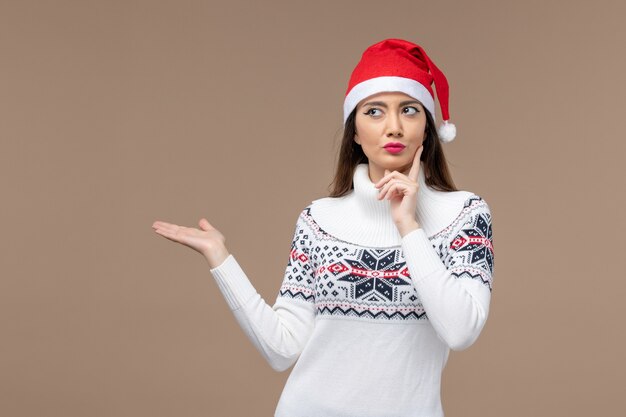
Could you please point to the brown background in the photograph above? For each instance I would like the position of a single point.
(115, 114)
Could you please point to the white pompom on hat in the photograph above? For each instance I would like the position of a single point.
(400, 65)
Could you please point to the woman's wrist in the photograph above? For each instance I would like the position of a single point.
(215, 256)
(407, 227)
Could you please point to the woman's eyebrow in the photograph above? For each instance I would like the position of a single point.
(383, 104)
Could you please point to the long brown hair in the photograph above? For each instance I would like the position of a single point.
(437, 174)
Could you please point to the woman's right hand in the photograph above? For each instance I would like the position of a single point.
(207, 241)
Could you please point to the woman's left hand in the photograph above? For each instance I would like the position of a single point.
(401, 190)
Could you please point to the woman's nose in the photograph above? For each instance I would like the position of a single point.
(394, 125)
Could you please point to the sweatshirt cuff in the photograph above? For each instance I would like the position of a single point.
(420, 255)
(233, 282)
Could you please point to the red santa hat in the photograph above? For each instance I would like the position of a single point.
(399, 65)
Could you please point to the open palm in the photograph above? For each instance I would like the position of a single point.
(201, 240)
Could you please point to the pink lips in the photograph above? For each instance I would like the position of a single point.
(394, 147)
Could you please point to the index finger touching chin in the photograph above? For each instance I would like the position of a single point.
(416, 165)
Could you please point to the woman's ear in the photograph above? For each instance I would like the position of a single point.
(356, 139)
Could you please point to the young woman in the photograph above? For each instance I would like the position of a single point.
(385, 275)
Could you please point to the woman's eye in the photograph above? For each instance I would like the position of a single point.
(414, 108)
(371, 110)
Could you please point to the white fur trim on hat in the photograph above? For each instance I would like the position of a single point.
(387, 83)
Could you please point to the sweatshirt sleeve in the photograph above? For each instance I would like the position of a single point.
(454, 282)
(281, 331)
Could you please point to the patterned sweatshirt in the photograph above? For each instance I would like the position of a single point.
(369, 317)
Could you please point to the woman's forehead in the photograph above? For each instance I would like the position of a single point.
(388, 97)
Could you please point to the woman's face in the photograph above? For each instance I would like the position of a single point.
(389, 117)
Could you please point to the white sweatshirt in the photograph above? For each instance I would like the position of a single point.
(367, 316)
